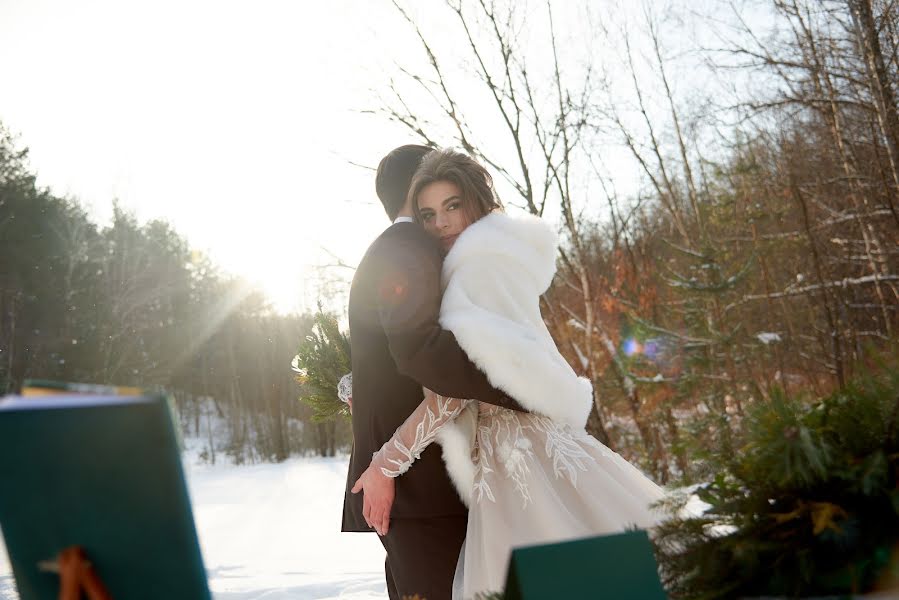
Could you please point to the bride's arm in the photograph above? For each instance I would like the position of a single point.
(416, 433)
(408, 306)
(397, 455)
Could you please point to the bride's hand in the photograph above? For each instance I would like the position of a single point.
(378, 492)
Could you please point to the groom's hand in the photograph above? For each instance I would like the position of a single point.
(378, 492)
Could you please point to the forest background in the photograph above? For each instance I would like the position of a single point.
(742, 238)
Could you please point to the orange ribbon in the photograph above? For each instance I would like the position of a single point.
(76, 574)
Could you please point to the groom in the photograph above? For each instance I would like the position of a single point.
(398, 346)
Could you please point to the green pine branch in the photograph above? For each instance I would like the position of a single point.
(808, 506)
(322, 359)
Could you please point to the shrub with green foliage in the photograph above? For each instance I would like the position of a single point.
(808, 507)
(322, 359)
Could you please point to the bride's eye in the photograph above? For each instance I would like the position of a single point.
(425, 217)
(454, 206)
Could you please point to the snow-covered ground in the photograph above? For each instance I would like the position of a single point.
(272, 532)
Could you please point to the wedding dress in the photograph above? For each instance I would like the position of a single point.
(536, 481)
(528, 478)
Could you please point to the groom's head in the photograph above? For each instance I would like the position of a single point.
(395, 174)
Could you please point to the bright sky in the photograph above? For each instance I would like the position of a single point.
(234, 121)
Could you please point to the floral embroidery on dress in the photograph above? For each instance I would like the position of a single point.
(400, 451)
(507, 442)
(513, 449)
(503, 438)
(481, 487)
(567, 454)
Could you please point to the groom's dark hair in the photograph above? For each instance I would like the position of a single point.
(395, 174)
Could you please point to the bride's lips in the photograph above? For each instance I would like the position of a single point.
(448, 240)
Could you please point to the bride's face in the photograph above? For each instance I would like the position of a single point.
(443, 212)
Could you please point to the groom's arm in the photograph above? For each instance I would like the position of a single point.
(409, 298)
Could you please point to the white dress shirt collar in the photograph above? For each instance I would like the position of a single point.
(403, 219)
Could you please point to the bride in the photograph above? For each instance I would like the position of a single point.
(527, 478)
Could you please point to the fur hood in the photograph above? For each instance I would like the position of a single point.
(526, 241)
(493, 278)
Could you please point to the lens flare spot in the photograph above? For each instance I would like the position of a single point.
(632, 346)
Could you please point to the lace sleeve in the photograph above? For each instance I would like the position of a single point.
(416, 433)
(345, 388)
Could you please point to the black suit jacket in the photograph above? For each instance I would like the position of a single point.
(398, 346)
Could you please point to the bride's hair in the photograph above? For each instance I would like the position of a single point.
(473, 181)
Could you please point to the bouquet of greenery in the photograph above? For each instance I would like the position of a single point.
(322, 359)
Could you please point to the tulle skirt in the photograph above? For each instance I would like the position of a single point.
(540, 482)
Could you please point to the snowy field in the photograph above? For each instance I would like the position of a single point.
(272, 532)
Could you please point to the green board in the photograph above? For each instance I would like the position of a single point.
(103, 473)
(616, 567)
